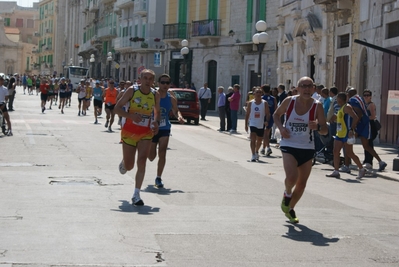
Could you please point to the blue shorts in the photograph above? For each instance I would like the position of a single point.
(363, 130)
(342, 139)
(161, 133)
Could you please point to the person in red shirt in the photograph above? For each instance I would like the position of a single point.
(44, 87)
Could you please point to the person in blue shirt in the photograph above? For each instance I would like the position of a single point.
(272, 102)
(168, 103)
(363, 127)
(327, 100)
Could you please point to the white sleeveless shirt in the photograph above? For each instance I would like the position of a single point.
(257, 116)
(298, 126)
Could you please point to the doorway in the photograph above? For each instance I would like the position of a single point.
(212, 79)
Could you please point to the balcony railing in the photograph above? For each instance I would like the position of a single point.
(106, 32)
(176, 31)
(208, 27)
(124, 3)
(140, 7)
(85, 46)
(147, 44)
(93, 7)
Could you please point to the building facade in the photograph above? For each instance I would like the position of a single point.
(19, 38)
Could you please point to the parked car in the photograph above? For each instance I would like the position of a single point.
(188, 104)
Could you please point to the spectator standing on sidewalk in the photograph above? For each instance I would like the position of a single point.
(372, 113)
(234, 107)
(230, 92)
(11, 93)
(205, 96)
(222, 108)
(362, 128)
(303, 116)
(3, 106)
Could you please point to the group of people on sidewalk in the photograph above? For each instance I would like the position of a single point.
(302, 117)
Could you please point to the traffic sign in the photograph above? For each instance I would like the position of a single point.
(393, 102)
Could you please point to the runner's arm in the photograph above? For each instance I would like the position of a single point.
(176, 110)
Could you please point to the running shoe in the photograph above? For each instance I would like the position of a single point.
(9, 133)
(106, 124)
(257, 155)
(285, 204)
(362, 172)
(382, 164)
(109, 129)
(158, 182)
(334, 174)
(345, 169)
(292, 216)
(62, 111)
(262, 151)
(43, 109)
(368, 166)
(79, 113)
(269, 152)
(95, 122)
(137, 201)
(253, 159)
(122, 168)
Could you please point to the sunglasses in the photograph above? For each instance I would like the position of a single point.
(164, 82)
(310, 85)
(366, 95)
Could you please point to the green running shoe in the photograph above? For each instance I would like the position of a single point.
(285, 204)
(292, 216)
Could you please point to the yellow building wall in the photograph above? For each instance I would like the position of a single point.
(171, 11)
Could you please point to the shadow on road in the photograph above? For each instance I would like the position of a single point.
(302, 233)
(160, 191)
(126, 206)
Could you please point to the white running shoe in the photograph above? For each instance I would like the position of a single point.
(253, 159)
(269, 152)
(122, 168)
(368, 166)
(362, 172)
(382, 164)
(345, 169)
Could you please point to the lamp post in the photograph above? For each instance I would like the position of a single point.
(260, 39)
(70, 62)
(80, 61)
(109, 59)
(184, 52)
(92, 60)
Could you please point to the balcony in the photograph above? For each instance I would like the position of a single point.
(108, 1)
(176, 32)
(207, 31)
(84, 47)
(122, 43)
(126, 44)
(324, 2)
(106, 32)
(93, 7)
(140, 7)
(124, 3)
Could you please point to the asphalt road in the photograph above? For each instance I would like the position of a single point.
(64, 203)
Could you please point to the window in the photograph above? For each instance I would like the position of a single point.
(343, 40)
(30, 23)
(393, 29)
(19, 23)
(7, 22)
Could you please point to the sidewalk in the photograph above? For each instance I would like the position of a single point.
(386, 152)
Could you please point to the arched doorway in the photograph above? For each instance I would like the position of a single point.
(212, 80)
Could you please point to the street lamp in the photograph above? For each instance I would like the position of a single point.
(80, 61)
(70, 62)
(184, 52)
(109, 59)
(92, 60)
(260, 39)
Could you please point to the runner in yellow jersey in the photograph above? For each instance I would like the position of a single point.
(142, 122)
